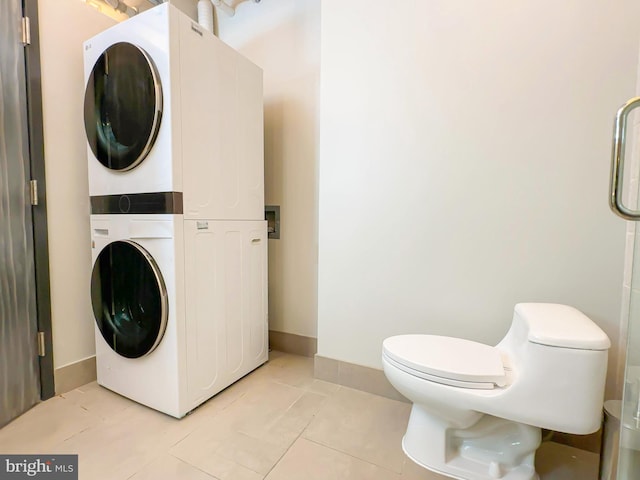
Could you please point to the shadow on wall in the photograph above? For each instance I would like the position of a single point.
(291, 182)
(283, 38)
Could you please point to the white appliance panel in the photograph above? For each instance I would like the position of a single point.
(151, 31)
(223, 157)
(213, 257)
(152, 380)
(210, 140)
(228, 306)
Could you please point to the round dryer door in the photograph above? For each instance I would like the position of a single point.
(129, 299)
(122, 106)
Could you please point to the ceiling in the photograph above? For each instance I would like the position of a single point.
(106, 7)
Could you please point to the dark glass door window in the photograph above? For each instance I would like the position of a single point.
(122, 106)
(129, 299)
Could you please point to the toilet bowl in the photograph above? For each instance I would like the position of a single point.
(478, 410)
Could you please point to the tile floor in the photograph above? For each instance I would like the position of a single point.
(278, 423)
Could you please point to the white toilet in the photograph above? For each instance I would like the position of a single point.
(477, 410)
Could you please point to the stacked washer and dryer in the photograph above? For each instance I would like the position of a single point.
(179, 243)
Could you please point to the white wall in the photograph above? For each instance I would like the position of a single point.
(64, 25)
(283, 38)
(464, 162)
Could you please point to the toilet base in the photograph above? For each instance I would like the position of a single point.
(490, 448)
(519, 473)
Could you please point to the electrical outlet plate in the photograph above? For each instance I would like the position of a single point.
(272, 216)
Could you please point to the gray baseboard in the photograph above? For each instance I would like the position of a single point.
(291, 343)
(75, 375)
(367, 379)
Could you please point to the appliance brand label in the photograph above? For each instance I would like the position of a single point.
(52, 467)
(202, 225)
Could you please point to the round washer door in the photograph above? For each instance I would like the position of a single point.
(122, 106)
(129, 299)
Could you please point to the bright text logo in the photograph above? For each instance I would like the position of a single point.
(51, 467)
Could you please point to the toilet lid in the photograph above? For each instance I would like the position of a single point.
(447, 358)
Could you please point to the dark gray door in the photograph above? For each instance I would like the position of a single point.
(19, 363)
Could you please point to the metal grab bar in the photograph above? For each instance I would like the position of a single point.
(617, 162)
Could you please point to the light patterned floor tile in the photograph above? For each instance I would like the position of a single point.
(98, 400)
(555, 461)
(222, 400)
(366, 426)
(278, 421)
(168, 467)
(311, 461)
(274, 412)
(262, 404)
(45, 425)
(118, 449)
(298, 372)
(255, 431)
(200, 450)
(413, 471)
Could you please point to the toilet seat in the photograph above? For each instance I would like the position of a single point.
(451, 361)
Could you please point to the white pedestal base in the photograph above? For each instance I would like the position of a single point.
(490, 448)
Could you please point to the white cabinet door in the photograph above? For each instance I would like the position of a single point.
(226, 302)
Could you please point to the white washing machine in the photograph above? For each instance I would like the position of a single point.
(180, 306)
(170, 108)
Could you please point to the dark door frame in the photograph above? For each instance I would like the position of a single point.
(40, 231)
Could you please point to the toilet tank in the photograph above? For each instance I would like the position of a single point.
(558, 325)
(558, 357)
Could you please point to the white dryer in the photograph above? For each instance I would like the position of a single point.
(180, 306)
(170, 108)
